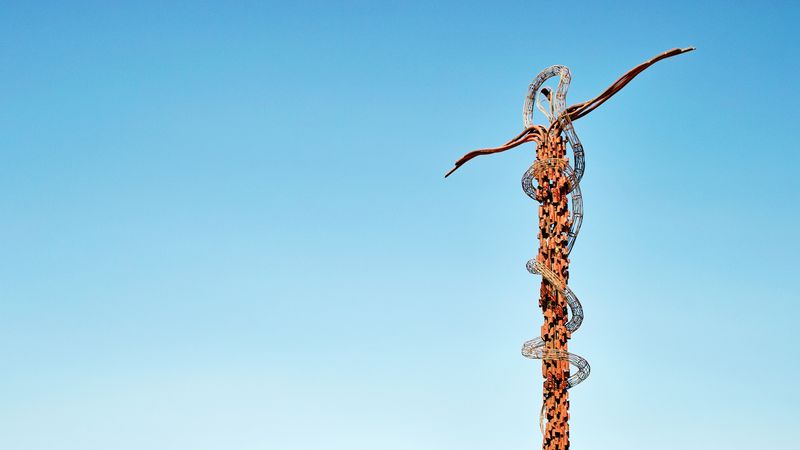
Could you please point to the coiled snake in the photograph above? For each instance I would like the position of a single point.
(535, 348)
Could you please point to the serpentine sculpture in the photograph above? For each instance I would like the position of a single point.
(555, 183)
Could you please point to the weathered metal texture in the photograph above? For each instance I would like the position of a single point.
(554, 227)
(557, 186)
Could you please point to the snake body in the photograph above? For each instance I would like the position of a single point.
(534, 348)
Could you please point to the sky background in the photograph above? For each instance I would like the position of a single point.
(224, 225)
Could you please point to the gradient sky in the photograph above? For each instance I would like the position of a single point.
(224, 225)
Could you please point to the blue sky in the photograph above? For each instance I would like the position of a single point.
(225, 225)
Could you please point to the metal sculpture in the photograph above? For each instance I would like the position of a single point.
(557, 185)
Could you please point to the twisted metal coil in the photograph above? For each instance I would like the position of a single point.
(535, 348)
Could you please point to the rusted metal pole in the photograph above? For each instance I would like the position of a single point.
(554, 228)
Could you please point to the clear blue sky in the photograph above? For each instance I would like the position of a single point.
(224, 225)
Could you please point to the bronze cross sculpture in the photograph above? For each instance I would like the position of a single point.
(556, 180)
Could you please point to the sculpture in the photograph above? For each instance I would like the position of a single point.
(556, 180)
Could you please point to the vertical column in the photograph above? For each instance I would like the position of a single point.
(554, 224)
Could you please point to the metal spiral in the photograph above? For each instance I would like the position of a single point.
(534, 348)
